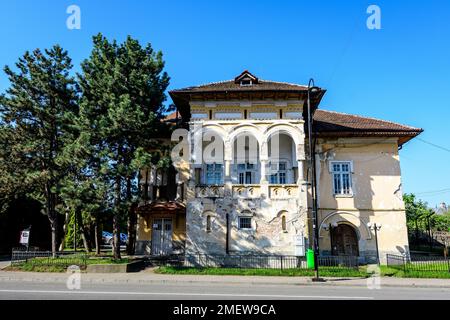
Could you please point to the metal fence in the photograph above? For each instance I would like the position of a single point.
(281, 262)
(46, 258)
(244, 261)
(338, 261)
(419, 263)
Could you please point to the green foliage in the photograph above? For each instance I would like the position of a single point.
(324, 271)
(77, 146)
(400, 273)
(37, 117)
(70, 233)
(121, 107)
(417, 212)
(442, 222)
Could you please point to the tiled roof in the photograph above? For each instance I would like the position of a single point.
(231, 85)
(331, 121)
(162, 207)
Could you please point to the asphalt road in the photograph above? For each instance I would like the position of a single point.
(25, 290)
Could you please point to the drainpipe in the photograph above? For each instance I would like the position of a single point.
(227, 241)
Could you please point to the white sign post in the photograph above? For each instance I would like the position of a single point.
(25, 237)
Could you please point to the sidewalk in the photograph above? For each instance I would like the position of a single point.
(147, 277)
(4, 264)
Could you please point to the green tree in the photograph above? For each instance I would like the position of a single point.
(37, 114)
(122, 104)
(441, 222)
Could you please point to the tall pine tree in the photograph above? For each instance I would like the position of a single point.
(123, 89)
(37, 118)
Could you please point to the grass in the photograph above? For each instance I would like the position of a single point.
(324, 271)
(400, 273)
(60, 264)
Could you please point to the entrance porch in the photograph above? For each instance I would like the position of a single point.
(161, 229)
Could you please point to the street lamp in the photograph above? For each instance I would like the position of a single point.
(376, 228)
(312, 164)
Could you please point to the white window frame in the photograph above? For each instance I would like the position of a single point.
(249, 84)
(245, 217)
(341, 193)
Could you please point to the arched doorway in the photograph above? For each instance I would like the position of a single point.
(344, 241)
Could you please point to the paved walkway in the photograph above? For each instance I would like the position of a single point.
(148, 277)
(4, 264)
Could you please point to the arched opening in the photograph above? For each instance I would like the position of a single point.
(282, 166)
(246, 164)
(344, 241)
(283, 223)
(208, 223)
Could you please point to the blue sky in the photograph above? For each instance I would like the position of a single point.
(399, 73)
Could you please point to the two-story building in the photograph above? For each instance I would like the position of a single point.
(244, 186)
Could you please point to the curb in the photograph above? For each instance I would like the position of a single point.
(300, 282)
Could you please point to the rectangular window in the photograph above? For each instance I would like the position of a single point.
(214, 174)
(248, 177)
(245, 222)
(278, 173)
(342, 180)
(246, 173)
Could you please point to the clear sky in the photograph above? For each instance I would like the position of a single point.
(399, 73)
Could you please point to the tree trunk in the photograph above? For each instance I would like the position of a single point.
(132, 219)
(417, 233)
(65, 227)
(97, 237)
(131, 223)
(116, 220)
(83, 232)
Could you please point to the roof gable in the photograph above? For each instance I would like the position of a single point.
(245, 75)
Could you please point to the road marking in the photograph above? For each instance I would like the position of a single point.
(184, 294)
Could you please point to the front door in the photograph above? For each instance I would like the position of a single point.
(162, 237)
(344, 241)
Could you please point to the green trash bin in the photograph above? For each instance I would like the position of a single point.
(310, 258)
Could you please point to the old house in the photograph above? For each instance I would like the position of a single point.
(245, 186)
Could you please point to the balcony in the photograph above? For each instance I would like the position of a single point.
(209, 191)
(286, 191)
(246, 191)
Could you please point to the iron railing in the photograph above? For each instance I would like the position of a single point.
(251, 261)
(338, 261)
(46, 258)
(419, 263)
(244, 261)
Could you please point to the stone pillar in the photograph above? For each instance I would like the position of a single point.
(263, 171)
(300, 172)
(227, 168)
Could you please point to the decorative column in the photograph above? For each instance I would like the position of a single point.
(227, 157)
(300, 172)
(263, 169)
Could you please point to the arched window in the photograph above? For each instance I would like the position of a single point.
(283, 223)
(208, 223)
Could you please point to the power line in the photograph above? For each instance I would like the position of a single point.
(435, 191)
(434, 145)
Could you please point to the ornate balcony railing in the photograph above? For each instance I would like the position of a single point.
(209, 191)
(286, 191)
(246, 191)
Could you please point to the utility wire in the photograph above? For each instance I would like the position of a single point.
(434, 145)
(435, 191)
